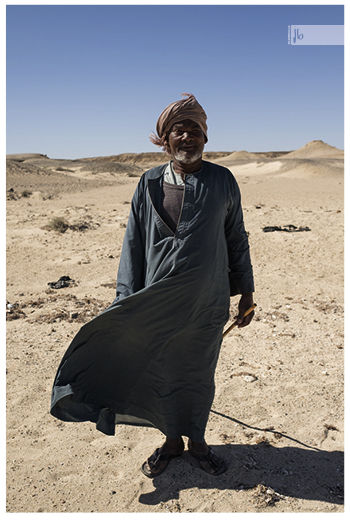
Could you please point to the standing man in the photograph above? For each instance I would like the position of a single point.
(150, 358)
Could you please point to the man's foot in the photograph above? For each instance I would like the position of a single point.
(208, 459)
(159, 460)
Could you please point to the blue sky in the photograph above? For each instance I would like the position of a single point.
(88, 80)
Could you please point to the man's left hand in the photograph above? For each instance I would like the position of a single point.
(245, 302)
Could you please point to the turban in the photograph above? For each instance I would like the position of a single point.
(186, 108)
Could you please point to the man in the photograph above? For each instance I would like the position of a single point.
(150, 358)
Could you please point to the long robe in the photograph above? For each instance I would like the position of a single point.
(149, 359)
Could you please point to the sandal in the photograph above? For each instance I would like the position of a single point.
(218, 468)
(153, 461)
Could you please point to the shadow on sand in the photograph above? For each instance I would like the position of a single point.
(303, 472)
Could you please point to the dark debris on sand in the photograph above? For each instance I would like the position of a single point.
(56, 308)
(290, 228)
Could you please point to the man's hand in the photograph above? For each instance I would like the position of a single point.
(245, 302)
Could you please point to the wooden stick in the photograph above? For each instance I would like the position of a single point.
(235, 324)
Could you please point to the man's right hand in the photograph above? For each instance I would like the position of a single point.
(244, 304)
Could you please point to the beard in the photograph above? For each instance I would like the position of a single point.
(182, 157)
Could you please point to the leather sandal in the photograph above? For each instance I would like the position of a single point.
(218, 468)
(153, 461)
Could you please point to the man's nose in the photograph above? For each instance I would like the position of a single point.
(186, 136)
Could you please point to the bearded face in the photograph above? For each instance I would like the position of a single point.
(186, 142)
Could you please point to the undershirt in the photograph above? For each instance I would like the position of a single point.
(171, 204)
(172, 197)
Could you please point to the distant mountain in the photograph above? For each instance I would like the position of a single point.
(21, 157)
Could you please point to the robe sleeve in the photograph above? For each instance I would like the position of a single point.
(130, 277)
(241, 271)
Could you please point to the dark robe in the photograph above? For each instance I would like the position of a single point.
(150, 358)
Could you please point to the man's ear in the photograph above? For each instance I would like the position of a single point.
(166, 146)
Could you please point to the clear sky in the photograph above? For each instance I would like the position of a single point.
(89, 80)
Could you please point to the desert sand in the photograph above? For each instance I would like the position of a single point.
(277, 418)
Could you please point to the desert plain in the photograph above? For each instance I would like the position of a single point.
(277, 417)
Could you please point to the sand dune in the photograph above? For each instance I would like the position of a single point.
(315, 159)
(312, 150)
(292, 168)
(312, 168)
(254, 168)
(241, 156)
(277, 417)
(315, 149)
(244, 156)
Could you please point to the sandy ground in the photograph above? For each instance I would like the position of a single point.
(277, 417)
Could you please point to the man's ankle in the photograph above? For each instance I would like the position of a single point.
(200, 447)
(174, 443)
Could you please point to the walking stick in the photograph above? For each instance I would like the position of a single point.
(248, 311)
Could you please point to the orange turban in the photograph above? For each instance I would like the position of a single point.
(186, 108)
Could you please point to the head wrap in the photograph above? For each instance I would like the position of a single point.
(186, 108)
